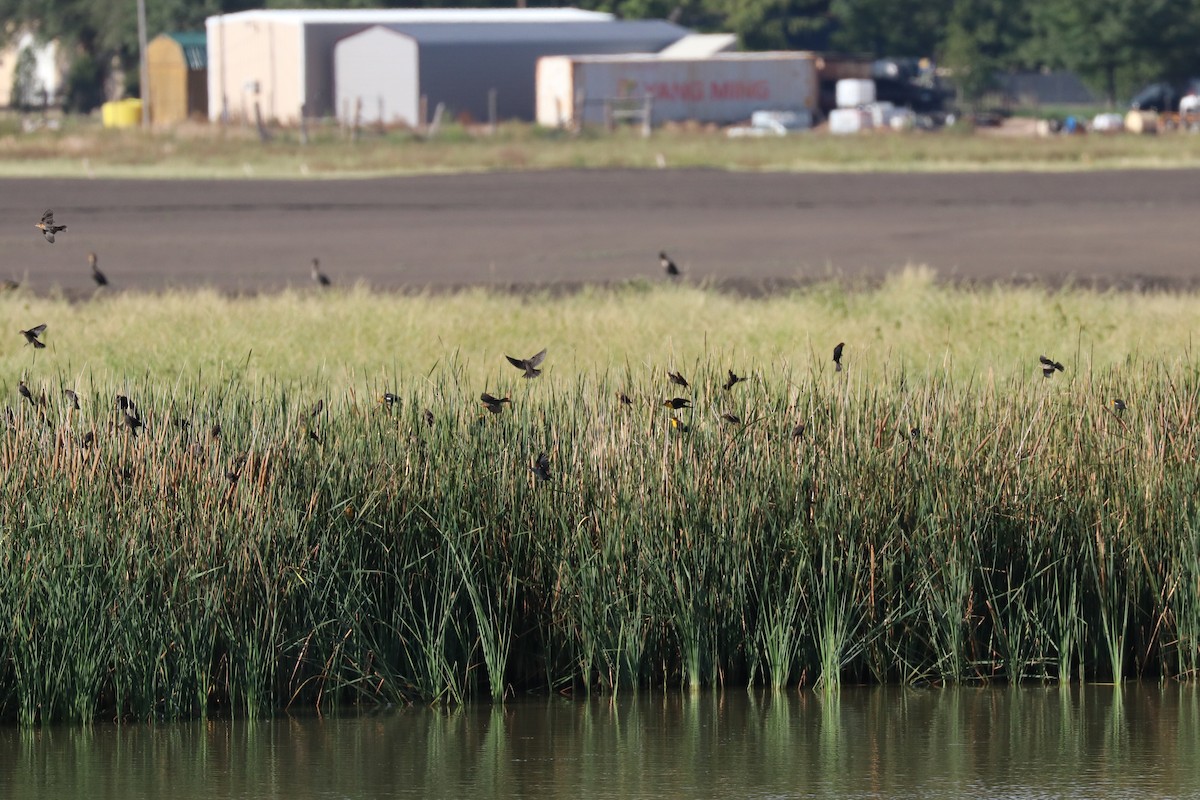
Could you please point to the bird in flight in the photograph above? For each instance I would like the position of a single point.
(669, 266)
(732, 380)
(676, 403)
(677, 379)
(541, 467)
(530, 365)
(31, 336)
(319, 277)
(493, 404)
(99, 277)
(47, 226)
(1049, 365)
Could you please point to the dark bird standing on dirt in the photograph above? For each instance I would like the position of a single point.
(319, 277)
(1049, 366)
(676, 403)
(493, 404)
(732, 380)
(529, 364)
(47, 226)
(837, 356)
(98, 276)
(667, 264)
(541, 467)
(677, 379)
(31, 335)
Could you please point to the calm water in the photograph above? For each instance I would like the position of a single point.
(1141, 741)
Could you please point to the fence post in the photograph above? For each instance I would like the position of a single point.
(492, 111)
(647, 115)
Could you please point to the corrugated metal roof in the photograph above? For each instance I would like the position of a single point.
(195, 48)
(387, 16)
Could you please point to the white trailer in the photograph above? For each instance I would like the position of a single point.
(722, 88)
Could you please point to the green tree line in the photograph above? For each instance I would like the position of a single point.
(1114, 45)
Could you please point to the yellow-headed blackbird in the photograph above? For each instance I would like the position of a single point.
(72, 398)
(733, 380)
(798, 431)
(47, 226)
(320, 278)
(624, 399)
(23, 390)
(837, 356)
(676, 403)
(541, 467)
(428, 415)
(1118, 405)
(31, 335)
(1049, 366)
(679, 425)
(732, 419)
(677, 379)
(529, 364)
(493, 404)
(668, 265)
(389, 399)
(97, 275)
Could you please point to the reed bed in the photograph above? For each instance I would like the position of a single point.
(925, 527)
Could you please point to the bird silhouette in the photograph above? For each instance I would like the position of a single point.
(98, 276)
(31, 336)
(529, 364)
(837, 356)
(1049, 366)
(541, 467)
(676, 403)
(669, 266)
(47, 226)
(493, 404)
(320, 278)
(733, 380)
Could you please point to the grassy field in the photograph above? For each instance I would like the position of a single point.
(946, 514)
(81, 149)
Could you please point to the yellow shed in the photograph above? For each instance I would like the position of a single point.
(178, 66)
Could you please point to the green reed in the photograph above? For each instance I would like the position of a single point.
(923, 528)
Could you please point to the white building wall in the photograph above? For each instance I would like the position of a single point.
(378, 69)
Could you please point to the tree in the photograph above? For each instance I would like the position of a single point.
(982, 38)
(912, 28)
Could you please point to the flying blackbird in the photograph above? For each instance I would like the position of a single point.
(676, 403)
(667, 264)
(31, 336)
(493, 404)
(72, 398)
(732, 380)
(319, 277)
(1049, 366)
(541, 467)
(47, 226)
(529, 364)
(677, 379)
(97, 275)
(837, 356)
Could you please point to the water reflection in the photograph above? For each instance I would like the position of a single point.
(878, 742)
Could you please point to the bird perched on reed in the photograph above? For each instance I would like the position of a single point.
(676, 403)
(320, 278)
(837, 356)
(317, 408)
(733, 380)
(493, 404)
(669, 266)
(677, 379)
(1049, 366)
(389, 399)
(798, 430)
(131, 420)
(47, 226)
(624, 399)
(1118, 405)
(99, 277)
(679, 425)
(72, 398)
(541, 467)
(31, 336)
(530, 365)
(23, 390)
(428, 415)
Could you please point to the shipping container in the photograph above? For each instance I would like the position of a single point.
(723, 88)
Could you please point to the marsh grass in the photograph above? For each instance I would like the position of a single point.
(941, 519)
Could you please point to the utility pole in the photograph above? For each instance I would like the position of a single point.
(144, 76)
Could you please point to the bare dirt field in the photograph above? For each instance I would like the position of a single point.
(746, 230)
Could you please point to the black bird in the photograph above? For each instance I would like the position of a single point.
(798, 431)
(47, 226)
(88, 439)
(131, 421)
(676, 403)
(72, 398)
(23, 390)
(319, 277)
(125, 404)
(97, 275)
(428, 415)
(667, 264)
(541, 467)
(31, 336)
(215, 431)
(389, 399)
(624, 398)
(493, 404)
(1049, 366)
(1118, 405)
(732, 380)
(732, 419)
(837, 356)
(677, 379)
(529, 364)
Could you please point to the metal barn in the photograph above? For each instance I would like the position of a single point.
(284, 60)
(178, 69)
